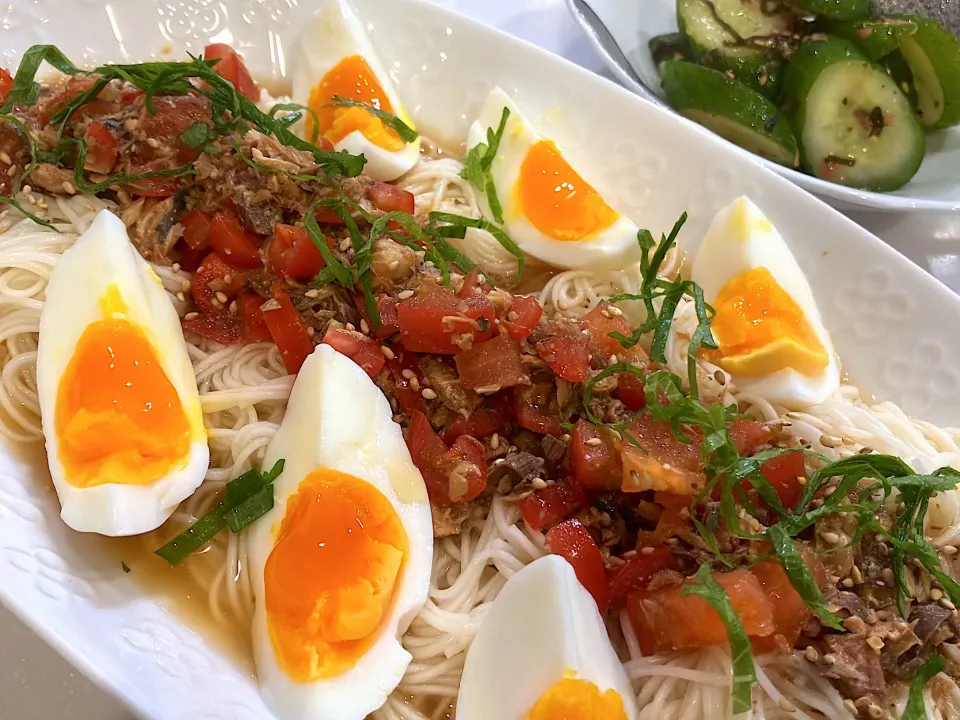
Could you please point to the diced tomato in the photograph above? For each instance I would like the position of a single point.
(571, 541)
(238, 247)
(292, 253)
(174, 114)
(52, 104)
(254, 326)
(101, 149)
(637, 570)
(790, 612)
(362, 349)
(663, 463)
(389, 318)
(157, 186)
(214, 276)
(231, 68)
(222, 327)
(452, 476)
(600, 322)
(288, 331)
(189, 258)
(196, 229)
(6, 83)
(630, 392)
(482, 423)
(783, 473)
(526, 312)
(595, 457)
(471, 283)
(492, 365)
(410, 400)
(666, 621)
(566, 350)
(390, 198)
(550, 505)
(430, 319)
(534, 410)
(748, 435)
(327, 215)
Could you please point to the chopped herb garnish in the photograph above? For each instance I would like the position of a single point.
(477, 164)
(458, 221)
(245, 501)
(199, 136)
(704, 585)
(915, 709)
(295, 112)
(406, 133)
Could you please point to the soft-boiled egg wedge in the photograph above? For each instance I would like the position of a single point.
(549, 210)
(542, 653)
(118, 397)
(767, 325)
(341, 564)
(336, 58)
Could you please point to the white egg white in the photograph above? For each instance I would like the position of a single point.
(338, 419)
(742, 238)
(332, 34)
(543, 626)
(613, 247)
(103, 257)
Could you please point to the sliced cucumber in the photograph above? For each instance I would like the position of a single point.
(933, 55)
(876, 38)
(898, 69)
(854, 124)
(835, 9)
(723, 35)
(730, 109)
(672, 46)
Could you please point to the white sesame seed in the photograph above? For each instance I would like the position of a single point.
(349, 326)
(217, 304)
(829, 659)
(233, 308)
(175, 267)
(7, 160)
(615, 311)
(428, 394)
(404, 294)
(131, 124)
(311, 331)
(811, 653)
(364, 326)
(191, 316)
(613, 360)
(945, 602)
(387, 352)
(605, 313)
(344, 244)
(415, 384)
(538, 483)
(181, 297)
(647, 550)
(26, 189)
(850, 707)
(830, 537)
(153, 142)
(222, 297)
(936, 594)
(594, 442)
(565, 437)
(185, 286)
(407, 373)
(561, 305)
(312, 293)
(847, 582)
(494, 441)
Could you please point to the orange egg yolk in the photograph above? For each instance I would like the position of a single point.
(761, 329)
(332, 574)
(573, 699)
(352, 79)
(118, 418)
(556, 200)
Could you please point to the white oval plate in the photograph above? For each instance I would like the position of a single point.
(895, 327)
(619, 32)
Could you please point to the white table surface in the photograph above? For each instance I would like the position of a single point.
(35, 682)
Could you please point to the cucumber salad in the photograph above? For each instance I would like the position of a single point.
(815, 85)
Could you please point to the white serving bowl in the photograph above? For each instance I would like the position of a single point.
(619, 31)
(896, 329)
